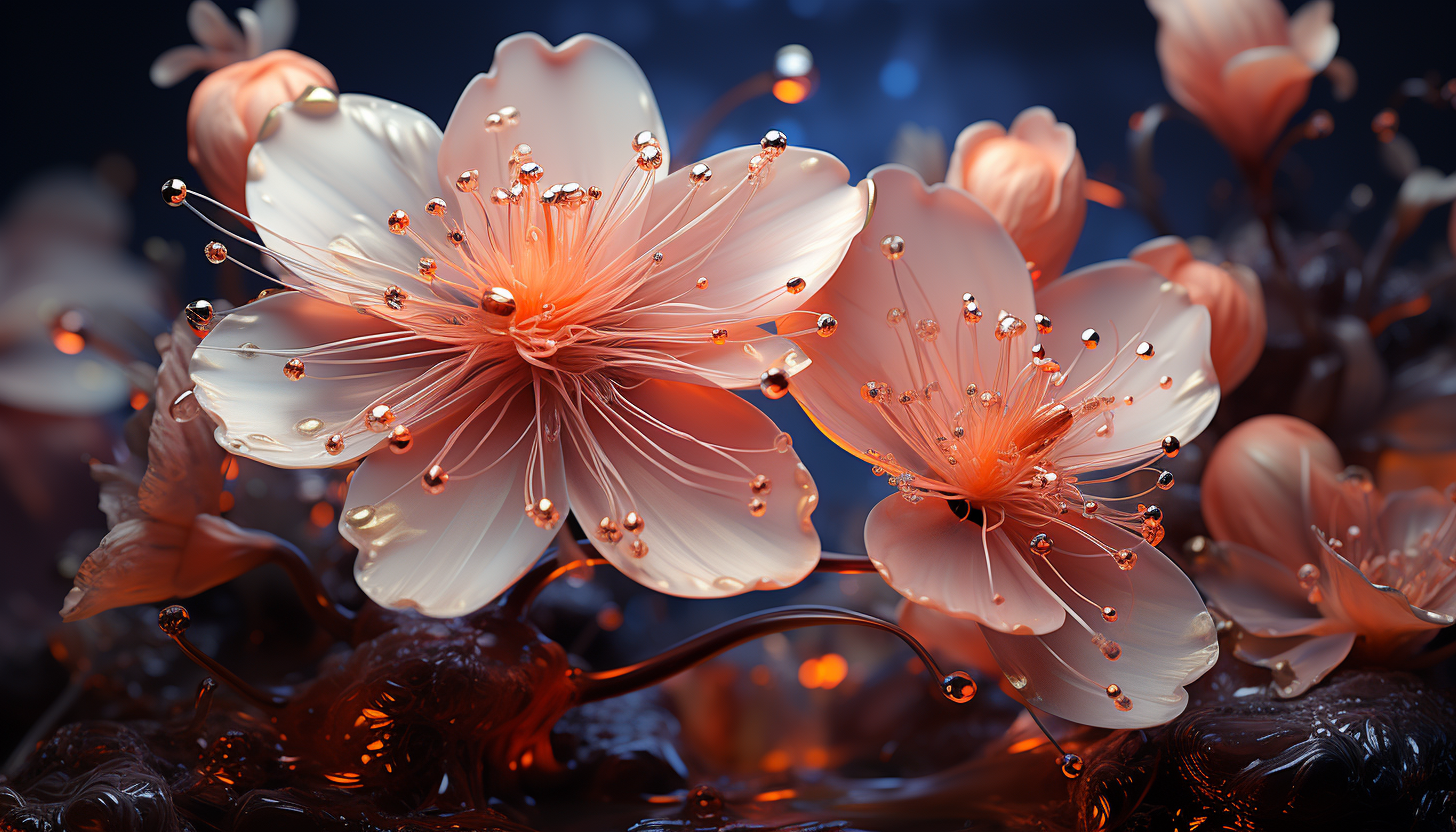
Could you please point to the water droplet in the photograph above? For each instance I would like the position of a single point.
(958, 686)
(308, 427)
(1071, 766)
(783, 442)
(729, 584)
(248, 349)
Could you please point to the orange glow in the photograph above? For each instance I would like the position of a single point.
(69, 343)
(1400, 311)
(1026, 745)
(780, 794)
(226, 502)
(816, 758)
(825, 672)
(1103, 193)
(775, 761)
(139, 400)
(760, 675)
(790, 90)
(230, 469)
(321, 514)
(609, 617)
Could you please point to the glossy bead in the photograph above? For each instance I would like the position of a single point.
(427, 267)
(174, 620)
(435, 207)
(400, 439)
(774, 382)
(379, 417)
(1171, 446)
(1071, 766)
(699, 173)
(468, 182)
(1145, 351)
(1043, 323)
(498, 300)
(200, 316)
(293, 370)
(719, 336)
(174, 192)
(761, 485)
(399, 222)
(649, 158)
(1090, 339)
(215, 252)
(634, 522)
(394, 297)
(638, 549)
(434, 479)
(757, 507)
(1109, 614)
(1125, 559)
(826, 325)
(334, 445)
(795, 285)
(608, 531)
(892, 246)
(958, 686)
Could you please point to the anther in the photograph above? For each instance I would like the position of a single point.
(1165, 382)
(958, 686)
(1043, 323)
(757, 507)
(1125, 559)
(498, 300)
(434, 479)
(174, 192)
(608, 531)
(719, 336)
(394, 297)
(1165, 480)
(427, 267)
(1109, 614)
(1170, 446)
(649, 158)
(399, 222)
(530, 172)
(400, 439)
(468, 182)
(699, 173)
(773, 143)
(379, 418)
(1041, 544)
(927, 330)
(892, 246)
(774, 382)
(334, 445)
(875, 392)
(1071, 766)
(644, 140)
(1145, 350)
(639, 549)
(215, 252)
(435, 207)
(970, 311)
(543, 513)
(634, 522)
(760, 485)
(293, 370)
(826, 325)
(200, 316)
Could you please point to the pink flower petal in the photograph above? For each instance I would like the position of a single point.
(309, 199)
(1298, 662)
(1261, 594)
(1128, 303)
(956, 643)
(1166, 635)
(184, 475)
(262, 415)
(580, 105)
(747, 241)
(952, 246)
(1381, 613)
(450, 553)
(683, 457)
(937, 560)
(1313, 35)
(1264, 87)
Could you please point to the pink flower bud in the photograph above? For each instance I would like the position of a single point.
(1233, 297)
(229, 107)
(1243, 66)
(1031, 179)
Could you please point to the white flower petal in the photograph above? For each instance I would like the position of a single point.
(451, 553)
(702, 540)
(263, 415)
(1128, 303)
(1166, 635)
(937, 560)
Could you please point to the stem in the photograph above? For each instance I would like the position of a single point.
(518, 599)
(205, 691)
(174, 621)
(1145, 174)
(604, 684)
(338, 621)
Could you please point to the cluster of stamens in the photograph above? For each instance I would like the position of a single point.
(531, 290)
(991, 446)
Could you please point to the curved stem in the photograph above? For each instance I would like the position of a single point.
(517, 600)
(337, 620)
(836, 563)
(267, 702)
(604, 684)
(1145, 174)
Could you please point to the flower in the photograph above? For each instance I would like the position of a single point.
(989, 438)
(230, 108)
(165, 539)
(268, 27)
(1313, 563)
(1243, 66)
(515, 349)
(1032, 181)
(1233, 297)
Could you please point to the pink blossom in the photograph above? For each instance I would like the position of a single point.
(1243, 66)
(1313, 563)
(1031, 179)
(1231, 294)
(990, 409)
(518, 349)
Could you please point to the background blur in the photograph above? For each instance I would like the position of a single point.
(78, 96)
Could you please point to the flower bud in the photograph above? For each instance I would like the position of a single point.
(229, 107)
(1243, 66)
(1031, 179)
(1233, 297)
